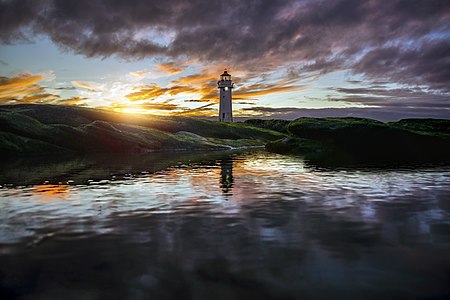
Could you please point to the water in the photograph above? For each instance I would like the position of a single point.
(230, 225)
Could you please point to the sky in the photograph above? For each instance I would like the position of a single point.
(288, 58)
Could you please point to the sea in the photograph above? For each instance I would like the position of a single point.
(244, 224)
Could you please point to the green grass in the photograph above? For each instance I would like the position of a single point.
(84, 130)
(366, 140)
(328, 128)
(52, 128)
(277, 125)
(15, 144)
(76, 116)
(436, 127)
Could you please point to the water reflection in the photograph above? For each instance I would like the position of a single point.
(51, 192)
(226, 175)
(94, 168)
(248, 225)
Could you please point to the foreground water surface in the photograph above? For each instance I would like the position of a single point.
(231, 225)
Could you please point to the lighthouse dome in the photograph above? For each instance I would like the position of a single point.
(225, 76)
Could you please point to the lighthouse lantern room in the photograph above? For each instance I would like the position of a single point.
(225, 86)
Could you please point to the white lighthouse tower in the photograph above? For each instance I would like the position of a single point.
(225, 86)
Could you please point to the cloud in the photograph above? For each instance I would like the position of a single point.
(24, 88)
(199, 79)
(195, 100)
(167, 107)
(379, 113)
(204, 83)
(263, 111)
(147, 92)
(40, 98)
(170, 68)
(376, 102)
(243, 102)
(312, 36)
(65, 88)
(151, 92)
(19, 81)
(20, 88)
(428, 63)
(390, 99)
(73, 101)
(148, 106)
(159, 106)
(265, 89)
(139, 74)
(85, 85)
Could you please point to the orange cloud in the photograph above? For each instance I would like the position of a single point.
(138, 74)
(19, 81)
(170, 68)
(249, 93)
(85, 85)
(151, 92)
(40, 98)
(159, 106)
(196, 79)
(179, 89)
(145, 107)
(22, 88)
(74, 101)
(147, 92)
(205, 83)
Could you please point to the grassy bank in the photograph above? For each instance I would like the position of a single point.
(355, 140)
(36, 129)
(26, 129)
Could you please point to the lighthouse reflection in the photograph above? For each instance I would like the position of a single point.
(226, 175)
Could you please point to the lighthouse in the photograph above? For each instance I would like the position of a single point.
(225, 86)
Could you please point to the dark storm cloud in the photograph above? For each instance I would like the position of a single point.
(398, 40)
(427, 64)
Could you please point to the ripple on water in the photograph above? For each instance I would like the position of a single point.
(231, 222)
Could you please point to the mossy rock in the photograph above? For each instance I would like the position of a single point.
(85, 130)
(273, 124)
(366, 140)
(437, 127)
